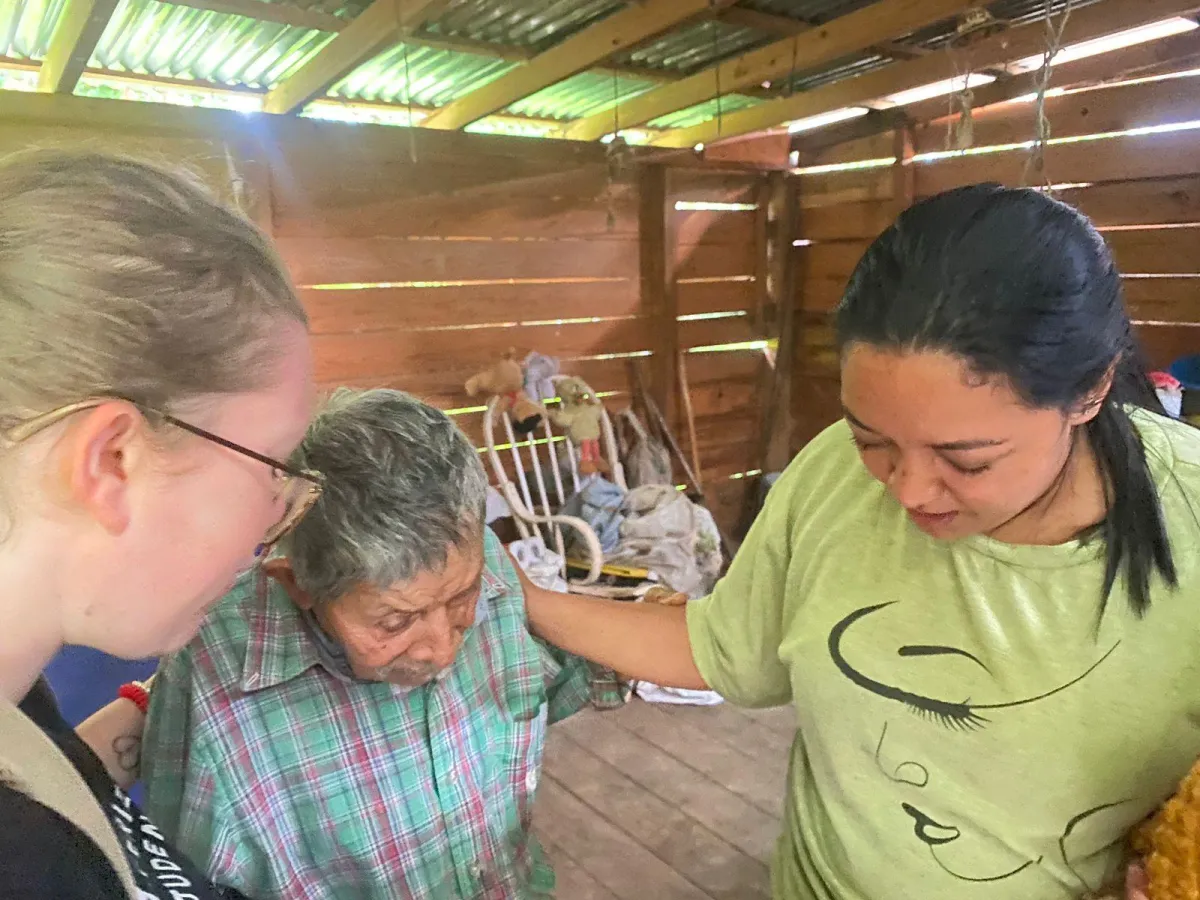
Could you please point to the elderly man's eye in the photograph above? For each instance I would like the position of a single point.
(396, 624)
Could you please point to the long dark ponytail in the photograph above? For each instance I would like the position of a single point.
(1023, 286)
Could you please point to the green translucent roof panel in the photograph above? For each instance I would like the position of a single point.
(582, 95)
(703, 112)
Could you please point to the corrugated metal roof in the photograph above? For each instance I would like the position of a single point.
(525, 23)
(694, 47)
(811, 11)
(148, 37)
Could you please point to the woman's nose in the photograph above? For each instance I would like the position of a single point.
(914, 484)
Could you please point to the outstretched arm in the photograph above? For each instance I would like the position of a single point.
(641, 641)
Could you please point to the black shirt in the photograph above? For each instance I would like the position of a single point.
(45, 857)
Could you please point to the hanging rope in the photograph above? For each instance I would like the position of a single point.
(1035, 165)
(960, 124)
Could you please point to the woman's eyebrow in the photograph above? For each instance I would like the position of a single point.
(969, 445)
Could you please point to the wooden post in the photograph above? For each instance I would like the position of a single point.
(781, 257)
(904, 173)
(656, 247)
(773, 450)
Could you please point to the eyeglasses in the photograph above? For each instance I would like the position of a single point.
(298, 489)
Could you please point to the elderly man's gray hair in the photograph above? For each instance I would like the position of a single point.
(402, 486)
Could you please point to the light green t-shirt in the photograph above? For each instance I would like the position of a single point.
(965, 730)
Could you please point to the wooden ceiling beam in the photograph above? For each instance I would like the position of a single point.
(841, 37)
(992, 52)
(623, 30)
(76, 34)
(381, 25)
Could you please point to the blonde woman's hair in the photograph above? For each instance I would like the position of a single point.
(121, 279)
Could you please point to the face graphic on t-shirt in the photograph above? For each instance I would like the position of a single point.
(940, 697)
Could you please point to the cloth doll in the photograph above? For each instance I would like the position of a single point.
(579, 414)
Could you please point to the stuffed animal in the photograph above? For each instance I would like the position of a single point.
(506, 380)
(1169, 844)
(580, 414)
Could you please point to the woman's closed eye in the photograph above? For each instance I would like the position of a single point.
(967, 467)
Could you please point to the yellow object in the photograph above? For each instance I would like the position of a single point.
(1169, 844)
(611, 569)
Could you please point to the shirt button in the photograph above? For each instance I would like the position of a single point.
(531, 780)
(475, 871)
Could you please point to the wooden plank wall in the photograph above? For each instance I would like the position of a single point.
(1142, 191)
(422, 258)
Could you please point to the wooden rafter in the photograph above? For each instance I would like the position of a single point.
(76, 34)
(845, 35)
(620, 31)
(378, 27)
(1170, 54)
(996, 51)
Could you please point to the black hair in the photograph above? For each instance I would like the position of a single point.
(1023, 286)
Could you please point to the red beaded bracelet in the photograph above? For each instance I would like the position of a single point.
(136, 693)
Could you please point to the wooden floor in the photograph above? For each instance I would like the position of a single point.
(664, 802)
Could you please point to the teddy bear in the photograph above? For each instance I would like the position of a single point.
(579, 414)
(506, 380)
(1168, 844)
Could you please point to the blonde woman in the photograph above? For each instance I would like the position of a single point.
(154, 374)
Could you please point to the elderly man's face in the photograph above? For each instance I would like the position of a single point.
(407, 634)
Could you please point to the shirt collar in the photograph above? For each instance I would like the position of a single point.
(283, 644)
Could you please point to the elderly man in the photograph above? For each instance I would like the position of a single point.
(364, 715)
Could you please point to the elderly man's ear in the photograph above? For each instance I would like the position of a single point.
(280, 569)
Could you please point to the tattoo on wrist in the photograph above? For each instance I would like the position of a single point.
(128, 748)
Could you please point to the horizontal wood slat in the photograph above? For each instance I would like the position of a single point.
(1115, 159)
(1149, 202)
(1156, 251)
(1117, 108)
(392, 354)
(374, 260)
(713, 261)
(715, 296)
(567, 204)
(376, 309)
(714, 227)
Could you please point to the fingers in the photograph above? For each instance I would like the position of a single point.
(1137, 885)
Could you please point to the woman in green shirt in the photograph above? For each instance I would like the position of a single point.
(980, 590)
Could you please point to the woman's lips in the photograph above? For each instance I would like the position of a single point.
(931, 521)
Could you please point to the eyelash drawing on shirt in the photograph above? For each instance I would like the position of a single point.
(956, 716)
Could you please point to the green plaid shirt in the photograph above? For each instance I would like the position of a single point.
(285, 778)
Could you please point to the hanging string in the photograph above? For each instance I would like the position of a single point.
(1035, 165)
(716, 50)
(408, 103)
(412, 126)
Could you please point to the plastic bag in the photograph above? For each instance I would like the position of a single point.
(645, 459)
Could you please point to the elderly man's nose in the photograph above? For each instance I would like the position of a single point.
(441, 637)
